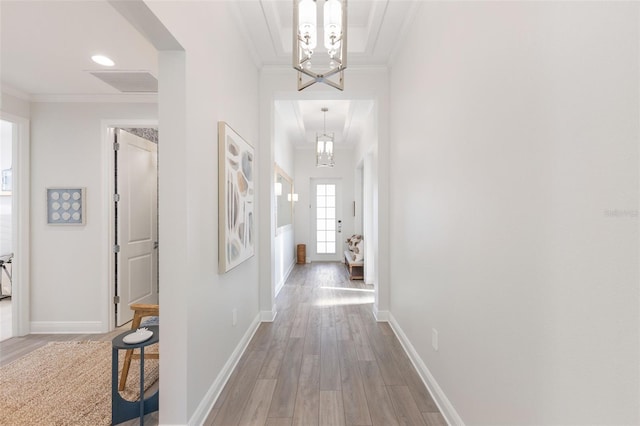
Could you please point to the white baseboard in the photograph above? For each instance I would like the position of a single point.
(446, 408)
(381, 316)
(268, 316)
(279, 287)
(206, 405)
(284, 278)
(66, 327)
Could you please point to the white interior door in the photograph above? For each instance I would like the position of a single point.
(326, 223)
(136, 223)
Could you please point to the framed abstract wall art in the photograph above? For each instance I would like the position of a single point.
(236, 191)
(66, 206)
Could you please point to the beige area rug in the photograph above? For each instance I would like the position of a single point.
(66, 383)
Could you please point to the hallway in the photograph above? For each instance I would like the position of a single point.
(324, 361)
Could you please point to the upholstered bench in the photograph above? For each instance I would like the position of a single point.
(354, 257)
(356, 268)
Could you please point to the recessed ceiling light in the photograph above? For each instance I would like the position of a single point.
(102, 60)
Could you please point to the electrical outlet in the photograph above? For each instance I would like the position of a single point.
(234, 313)
(434, 339)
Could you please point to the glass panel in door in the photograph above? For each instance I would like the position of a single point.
(326, 218)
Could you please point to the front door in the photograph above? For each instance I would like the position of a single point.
(326, 223)
(136, 223)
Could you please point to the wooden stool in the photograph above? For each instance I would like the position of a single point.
(140, 310)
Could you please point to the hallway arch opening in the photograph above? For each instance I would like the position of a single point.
(294, 120)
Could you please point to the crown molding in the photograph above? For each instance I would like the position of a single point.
(404, 31)
(253, 53)
(273, 23)
(137, 98)
(143, 98)
(12, 91)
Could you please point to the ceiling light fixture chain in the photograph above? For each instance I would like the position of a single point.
(324, 110)
(305, 41)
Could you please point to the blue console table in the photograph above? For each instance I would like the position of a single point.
(121, 409)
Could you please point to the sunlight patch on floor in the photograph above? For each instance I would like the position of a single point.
(342, 301)
(355, 296)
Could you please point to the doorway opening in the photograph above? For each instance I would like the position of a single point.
(133, 222)
(7, 136)
(14, 226)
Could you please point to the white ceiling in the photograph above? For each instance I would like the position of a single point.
(302, 119)
(46, 48)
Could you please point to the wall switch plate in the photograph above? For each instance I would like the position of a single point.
(234, 313)
(434, 339)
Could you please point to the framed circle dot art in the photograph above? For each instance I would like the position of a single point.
(65, 206)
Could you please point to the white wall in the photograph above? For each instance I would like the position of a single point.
(213, 80)
(67, 264)
(282, 145)
(285, 256)
(514, 208)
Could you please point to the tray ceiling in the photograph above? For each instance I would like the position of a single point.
(47, 46)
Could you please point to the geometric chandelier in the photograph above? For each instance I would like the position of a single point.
(324, 145)
(330, 62)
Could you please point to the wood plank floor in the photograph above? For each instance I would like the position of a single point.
(17, 347)
(324, 361)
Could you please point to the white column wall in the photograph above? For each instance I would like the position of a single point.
(174, 237)
(217, 81)
(514, 208)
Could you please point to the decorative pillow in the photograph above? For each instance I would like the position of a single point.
(358, 252)
(353, 240)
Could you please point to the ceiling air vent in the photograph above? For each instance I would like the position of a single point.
(129, 81)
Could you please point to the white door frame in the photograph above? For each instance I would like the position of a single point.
(108, 215)
(20, 212)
